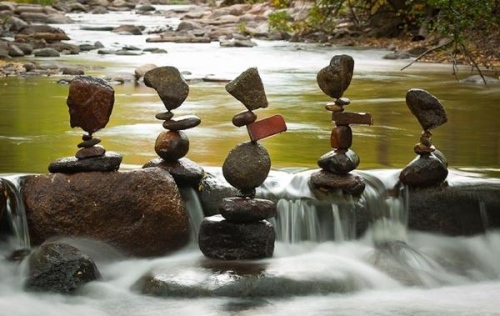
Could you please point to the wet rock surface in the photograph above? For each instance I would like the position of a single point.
(184, 171)
(222, 239)
(424, 171)
(171, 145)
(339, 162)
(139, 211)
(245, 210)
(110, 161)
(59, 267)
(349, 183)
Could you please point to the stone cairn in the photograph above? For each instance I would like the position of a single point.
(173, 144)
(90, 101)
(430, 167)
(241, 230)
(337, 164)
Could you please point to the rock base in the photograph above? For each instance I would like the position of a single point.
(109, 162)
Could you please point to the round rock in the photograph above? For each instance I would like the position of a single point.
(245, 210)
(172, 145)
(334, 79)
(244, 118)
(424, 171)
(222, 239)
(247, 166)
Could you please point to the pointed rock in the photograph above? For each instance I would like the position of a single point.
(169, 84)
(248, 89)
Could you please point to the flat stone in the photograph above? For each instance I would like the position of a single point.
(248, 89)
(421, 149)
(109, 162)
(341, 137)
(266, 127)
(327, 181)
(348, 118)
(246, 166)
(90, 101)
(169, 84)
(332, 107)
(246, 210)
(185, 171)
(339, 162)
(343, 101)
(222, 239)
(426, 108)
(244, 118)
(164, 116)
(89, 143)
(182, 123)
(424, 171)
(172, 145)
(90, 152)
(334, 79)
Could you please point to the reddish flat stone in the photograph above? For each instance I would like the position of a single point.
(347, 118)
(266, 127)
(341, 137)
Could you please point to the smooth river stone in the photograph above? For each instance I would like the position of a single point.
(341, 137)
(427, 109)
(244, 118)
(164, 116)
(172, 145)
(347, 118)
(182, 123)
(90, 101)
(248, 89)
(222, 239)
(184, 170)
(424, 171)
(246, 166)
(334, 79)
(326, 181)
(109, 162)
(245, 210)
(169, 84)
(342, 101)
(90, 152)
(339, 162)
(89, 143)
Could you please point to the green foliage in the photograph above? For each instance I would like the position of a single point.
(280, 20)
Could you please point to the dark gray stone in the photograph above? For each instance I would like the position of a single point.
(424, 171)
(169, 84)
(334, 79)
(339, 162)
(59, 267)
(182, 123)
(46, 52)
(246, 210)
(222, 239)
(109, 162)
(185, 171)
(244, 118)
(248, 89)
(426, 108)
(327, 181)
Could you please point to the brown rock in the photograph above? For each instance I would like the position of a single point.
(326, 181)
(334, 79)
(339, 162)
(421, 149)
(109, 162)
(182, 123)
(427, 108)
(266, 127)
(90, 101)
(139, 211)
(248, 89)
(89, 142)
(332, 107)
(164, 116)
(246, 210)
(244, 118)
(172, 145)
(347, 118)
(222, 239)
(169, 84)
(341, 137)
(90, 152)
(246, 166)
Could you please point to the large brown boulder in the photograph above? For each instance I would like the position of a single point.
(139, 211)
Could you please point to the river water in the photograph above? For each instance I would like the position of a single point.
(34, 130)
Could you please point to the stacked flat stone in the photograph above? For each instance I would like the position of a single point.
(172, 145)
(337, 164)
(430, 167)
(241, 230)
(90, 102)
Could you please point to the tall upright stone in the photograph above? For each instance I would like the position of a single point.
(242, 231)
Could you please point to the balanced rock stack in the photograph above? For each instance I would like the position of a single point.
(173, 144)
(90, 101)
(242, 231)
(430, 167)
(337, 164)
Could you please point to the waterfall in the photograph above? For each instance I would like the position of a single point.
(194, 211)
(16, 213)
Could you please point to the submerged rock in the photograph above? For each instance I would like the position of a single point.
(139, 211)
(59, 267)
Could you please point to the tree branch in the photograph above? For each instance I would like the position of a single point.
(430, 50)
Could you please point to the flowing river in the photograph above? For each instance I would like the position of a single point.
(34, 130)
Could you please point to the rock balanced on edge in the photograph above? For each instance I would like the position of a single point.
(242, 231)
(90, 102)
(430, 167)
(337, 164)
(173, 144)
